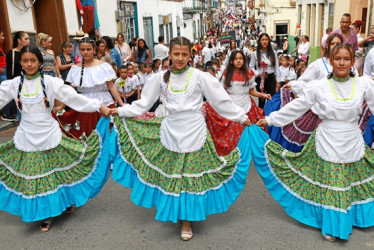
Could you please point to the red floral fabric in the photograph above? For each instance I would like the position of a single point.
(225, 133)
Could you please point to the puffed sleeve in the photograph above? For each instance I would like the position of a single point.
(150, 94)
(70, 97)
(7, 91)
(219, 99)
(369, 91)
(294, 109)
(311, 73)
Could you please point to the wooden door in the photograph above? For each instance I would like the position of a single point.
(5, 26)
(50, 19)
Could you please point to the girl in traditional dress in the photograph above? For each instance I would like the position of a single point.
(171, 162)
(264, 63)
(293, 136)
(93, 79)
(329, 184)
(239, 82)
(43, 172)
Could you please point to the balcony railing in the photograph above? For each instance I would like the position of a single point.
(192, 6)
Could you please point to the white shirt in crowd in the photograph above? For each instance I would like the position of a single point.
(161, 51)
(304, 49)
(369, 64)
(287, 73)
(207, 55)
(125, 85)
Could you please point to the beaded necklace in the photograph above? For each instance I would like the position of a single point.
(343, 79)
(32, 77)
(180, 71)
(185, 86)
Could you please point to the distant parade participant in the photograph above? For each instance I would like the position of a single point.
(264, 63)
(239, 82)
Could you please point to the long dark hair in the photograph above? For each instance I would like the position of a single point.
(327, 52)
(229, 71)
(17, 35)
(182, 41)
(109, 42)
(39, 56)
(269, 53)
(142, 50)
(93, 43)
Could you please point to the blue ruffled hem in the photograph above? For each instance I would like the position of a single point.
(275, 133)
(186, 206)
(56, 202)
(331, 222)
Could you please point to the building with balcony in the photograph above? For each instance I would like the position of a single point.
(62, 19)
(194, 14)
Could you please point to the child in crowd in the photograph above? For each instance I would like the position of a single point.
(148, 72)
(156, 65)
(140, 78)
(165, 64)
(211, 70)
(287, 73)
(301, 70)
(200, 67)
(126, 86)
(292, 61)
(131, 75)
(198, 59)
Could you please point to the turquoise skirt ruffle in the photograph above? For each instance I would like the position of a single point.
(330, 221)
(53, 203)
(185, 206)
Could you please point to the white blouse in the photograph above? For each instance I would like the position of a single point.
(38, 130)
(94, 81)
(239, 93)
(184, 128)
(338, 137)
(316, 70)
(253, 64)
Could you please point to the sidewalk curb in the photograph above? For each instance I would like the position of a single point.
(7, 126)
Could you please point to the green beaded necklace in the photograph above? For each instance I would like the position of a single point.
(341, 79)
(32, 77)
(180, 71)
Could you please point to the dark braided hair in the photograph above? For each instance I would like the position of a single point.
(180, 40)
(93, 43)
(336, 49)
(39, 56)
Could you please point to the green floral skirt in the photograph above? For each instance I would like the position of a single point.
(327, 195)
(181, 185)
(42, 184)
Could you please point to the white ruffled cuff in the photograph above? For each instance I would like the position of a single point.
(243, 119)
(268, 120)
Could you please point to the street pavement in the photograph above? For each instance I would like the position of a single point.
(112, 221)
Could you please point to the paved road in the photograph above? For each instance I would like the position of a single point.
(112, 221)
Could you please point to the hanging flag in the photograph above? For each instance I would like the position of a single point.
(79, 6)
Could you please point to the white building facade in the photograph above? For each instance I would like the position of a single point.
(147, 19)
